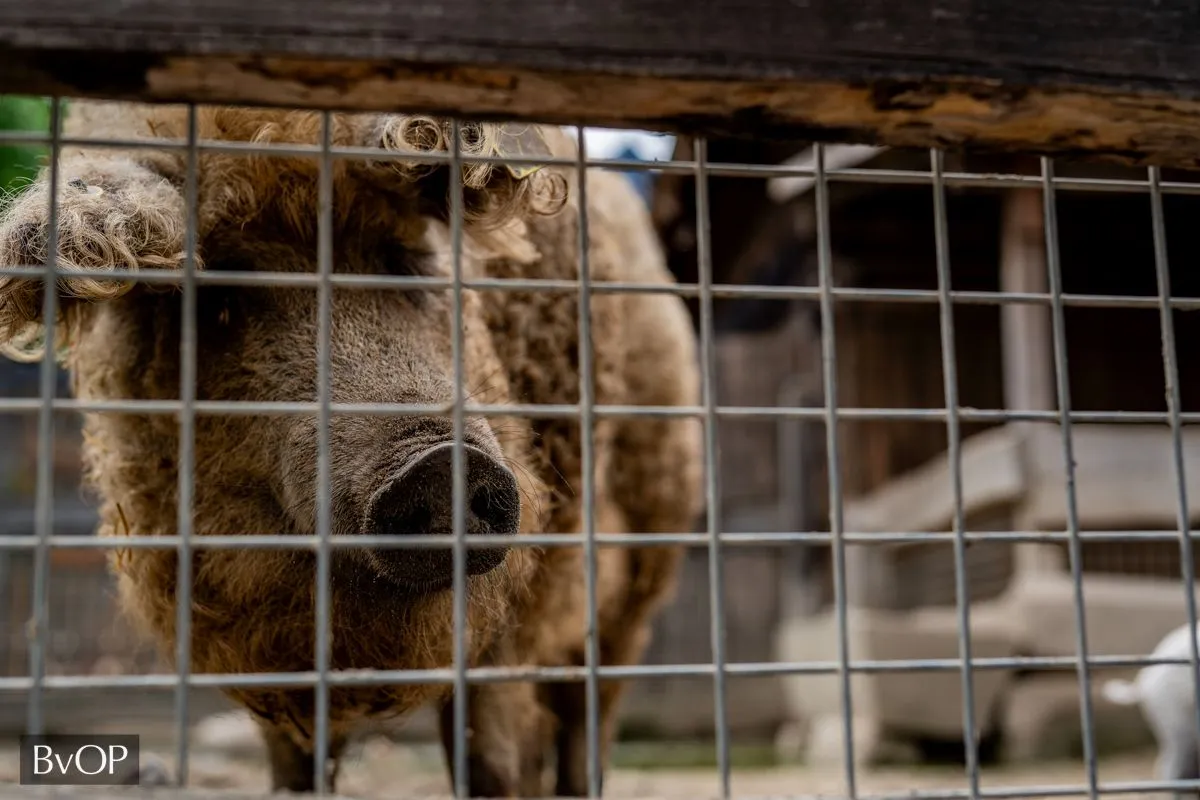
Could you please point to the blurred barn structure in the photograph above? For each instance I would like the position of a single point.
(896, 476)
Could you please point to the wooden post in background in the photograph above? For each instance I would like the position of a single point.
(1026, 339)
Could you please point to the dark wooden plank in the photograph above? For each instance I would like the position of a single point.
(1116, 42)
(1053, 76)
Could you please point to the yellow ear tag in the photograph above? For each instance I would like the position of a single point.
(521, 141)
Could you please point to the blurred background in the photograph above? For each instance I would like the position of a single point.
(895, 478)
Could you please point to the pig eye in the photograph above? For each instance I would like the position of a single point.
(400, 260)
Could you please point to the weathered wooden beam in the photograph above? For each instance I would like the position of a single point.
(1116, 76)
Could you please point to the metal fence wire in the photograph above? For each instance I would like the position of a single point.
(826, 296)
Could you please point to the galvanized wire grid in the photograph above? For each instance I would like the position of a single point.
(830, 413)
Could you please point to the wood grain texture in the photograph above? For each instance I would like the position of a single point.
(1115, 76)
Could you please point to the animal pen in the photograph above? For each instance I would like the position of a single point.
(952, 486)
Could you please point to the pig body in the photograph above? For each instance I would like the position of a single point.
(255, 474)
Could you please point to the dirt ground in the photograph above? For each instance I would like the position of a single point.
(231, 764)
(378, 779)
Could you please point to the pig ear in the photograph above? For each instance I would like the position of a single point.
(492, 193)
(113, 214)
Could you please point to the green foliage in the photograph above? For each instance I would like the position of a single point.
(19, 163)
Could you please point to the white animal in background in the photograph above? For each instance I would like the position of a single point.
(1167, 697)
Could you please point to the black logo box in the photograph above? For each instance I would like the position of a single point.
(79, 760)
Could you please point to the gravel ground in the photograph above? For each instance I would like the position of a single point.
(383, 769)
(226, 757)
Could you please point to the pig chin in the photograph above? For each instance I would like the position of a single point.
(430, 572)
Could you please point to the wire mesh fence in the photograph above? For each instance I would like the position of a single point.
(915, 534)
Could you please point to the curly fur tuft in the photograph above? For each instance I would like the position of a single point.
(121, 218)
(492, 194)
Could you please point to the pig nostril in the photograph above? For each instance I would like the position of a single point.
(482, 505)
(497, 507)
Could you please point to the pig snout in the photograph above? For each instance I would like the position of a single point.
(419, 500)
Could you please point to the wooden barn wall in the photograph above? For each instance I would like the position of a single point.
(752, 369)
(890, 353)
